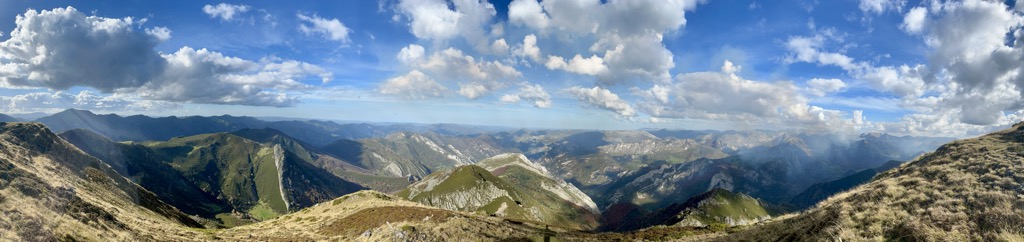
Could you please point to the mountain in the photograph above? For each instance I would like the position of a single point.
(339, 166)
(142, 128)
(715, 208)
(718, 206)
(965, 190)
(658, 186)
(315, 132)
(50, 190)
(820, 191)
(7, 118)
(150, 170)
(597, 157)
(509, 186)
(415, 155)
(224, 177)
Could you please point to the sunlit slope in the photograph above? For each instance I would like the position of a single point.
(508, 186)
(262, 179)
(50, 190)
(966, 190)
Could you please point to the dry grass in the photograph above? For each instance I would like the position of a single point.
(968, 190)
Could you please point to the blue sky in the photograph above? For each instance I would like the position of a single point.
(904, 67)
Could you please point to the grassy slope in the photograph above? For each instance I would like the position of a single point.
(527, 198)
(149, 170)
(966, 190)
(373, 216)
(335, 163)
(719, 206)
(244, 173)
(50, 190)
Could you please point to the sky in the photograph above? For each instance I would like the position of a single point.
(932, 68)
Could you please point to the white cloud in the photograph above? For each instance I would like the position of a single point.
(509, 98)
(533, 93)
(529, 13)
(49, 102)
(880, 6)
(431, 19)
(434, 20)
(411, 54)
(821, 87)
(473, 90)
(577, 16)
(643, 57)
(103, 53)
(476, 78)
(726, 96)
(529, 48)
(593, 65)
(599, 97)
(204, 76)
(160, 33)
(499, 47)
(629, 50)
(904, 81)
(971, 82)
(108, 54)
(225, 11)
(331, 29)
(915, 20)
(452, 64)
(413, 85)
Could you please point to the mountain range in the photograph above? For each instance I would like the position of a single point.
(635, 184)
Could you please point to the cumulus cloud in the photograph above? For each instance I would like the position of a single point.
(726, 96)
(601, 98)
(820, 87)
(971, 81)
(499, 47)
(110, 55)
(593, 65)
(528, 13)
(413, 85)
(904, 80)
(529, 48)
(632, 50)
(160, 33)
(225, 11)
(435, 20)
(411, 54)
(629, 50)
(103, 53)
(914, 20)
(331, 29)
(475, 78)
(204, 76)
(533, 93)
(49, 102)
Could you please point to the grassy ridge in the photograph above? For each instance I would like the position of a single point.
(967, 190)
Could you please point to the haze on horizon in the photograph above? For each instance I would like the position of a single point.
(933, 68)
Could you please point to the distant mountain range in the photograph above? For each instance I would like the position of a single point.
(143, 128)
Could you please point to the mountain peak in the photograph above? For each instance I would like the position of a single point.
(507, 159)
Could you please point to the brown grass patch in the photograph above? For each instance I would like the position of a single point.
(375, 217)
